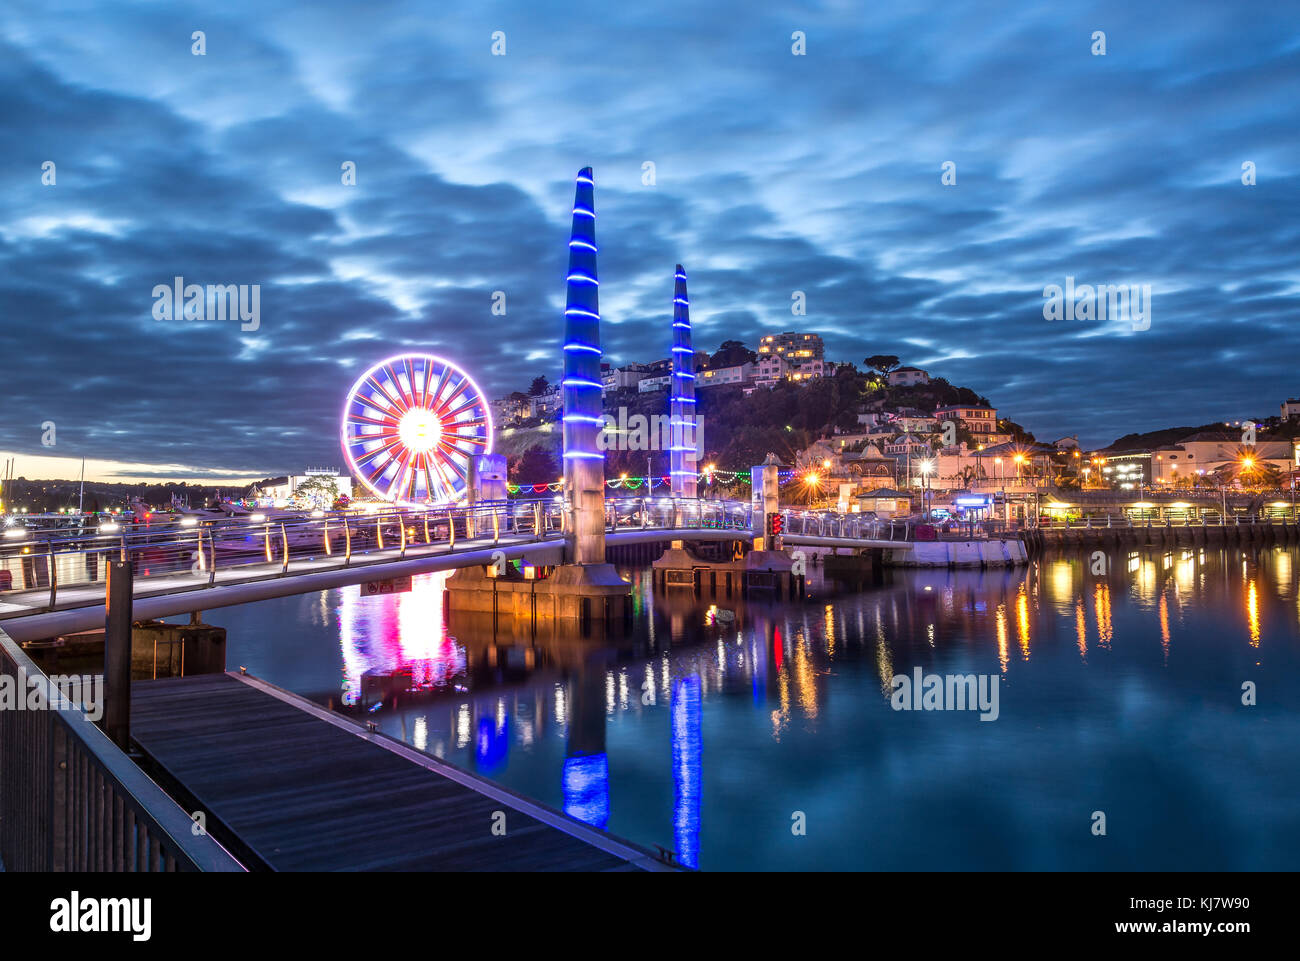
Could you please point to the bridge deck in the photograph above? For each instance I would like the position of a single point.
(303, 789)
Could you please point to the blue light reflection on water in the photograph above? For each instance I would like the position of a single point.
(687, 747)
(1119, 693)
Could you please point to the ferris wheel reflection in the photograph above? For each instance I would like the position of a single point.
(396, 643)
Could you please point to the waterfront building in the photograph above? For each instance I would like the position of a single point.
(1290, 408)
(714, 377)
(791, 356)
(910, 420)
(1125, 470)
(547, 403)
(511, 408)
(979, 420)
(278, 491)
(884, 502)
(1211, 454)
(627, 377)
(871, 468)
(796, 348)
(908, 377)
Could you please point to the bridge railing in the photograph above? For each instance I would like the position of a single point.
(1205, 519)
(192, 554)
(71, 800)
(850, 526)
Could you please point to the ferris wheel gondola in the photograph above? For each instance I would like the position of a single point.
(411, 423)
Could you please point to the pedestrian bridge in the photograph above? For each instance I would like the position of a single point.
(58, 578)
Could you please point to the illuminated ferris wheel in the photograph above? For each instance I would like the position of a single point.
(410, 426)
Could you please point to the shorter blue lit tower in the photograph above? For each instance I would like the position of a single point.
(682, 420)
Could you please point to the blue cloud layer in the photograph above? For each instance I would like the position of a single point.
(775, 173)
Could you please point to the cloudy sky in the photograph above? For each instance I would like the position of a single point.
(774, 173)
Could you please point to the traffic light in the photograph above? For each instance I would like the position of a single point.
(775, 525)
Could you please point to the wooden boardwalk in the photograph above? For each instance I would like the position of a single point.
(303, 789)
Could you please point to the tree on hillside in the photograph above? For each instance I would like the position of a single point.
(883, 363)
(1018, 434)
(539, 386)
(731, 354)
(537, 465)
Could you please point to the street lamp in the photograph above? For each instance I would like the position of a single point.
(926, 467)
(812, 480)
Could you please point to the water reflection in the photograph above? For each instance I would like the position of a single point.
(715, 716)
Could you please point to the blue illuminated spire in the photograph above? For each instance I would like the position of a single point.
(581, 386)
(682, 422)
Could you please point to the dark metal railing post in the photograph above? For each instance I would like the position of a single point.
(118, 603)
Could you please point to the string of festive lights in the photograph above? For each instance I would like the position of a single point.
(636, 483)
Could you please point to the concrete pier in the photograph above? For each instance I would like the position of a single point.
(766, 568)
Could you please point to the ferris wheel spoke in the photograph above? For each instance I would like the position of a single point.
(408, 366)
(396, 381)
(382, 449)
(452, 446)
(466, 428)
(469, 405)
(396, 407)
(371, 422)
(473, 437)
(445, 405)
(444, 376)
(424, 391)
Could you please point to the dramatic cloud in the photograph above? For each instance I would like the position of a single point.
(774, 173)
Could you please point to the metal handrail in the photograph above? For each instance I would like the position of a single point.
(242, 544)
(71, 800)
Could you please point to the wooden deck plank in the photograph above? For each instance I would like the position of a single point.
(307, 792)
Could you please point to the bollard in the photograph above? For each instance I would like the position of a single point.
(117, 653)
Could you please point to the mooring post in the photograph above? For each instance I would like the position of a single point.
(117, 653)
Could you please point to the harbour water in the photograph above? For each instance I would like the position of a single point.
(743, 734)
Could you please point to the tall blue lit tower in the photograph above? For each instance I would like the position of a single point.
(682, 421)
(584, 462)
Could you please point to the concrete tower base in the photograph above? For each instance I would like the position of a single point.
(573, 592)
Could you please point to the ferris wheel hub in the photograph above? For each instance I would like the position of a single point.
(420, 430)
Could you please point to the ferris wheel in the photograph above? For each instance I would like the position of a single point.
(411, 423)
